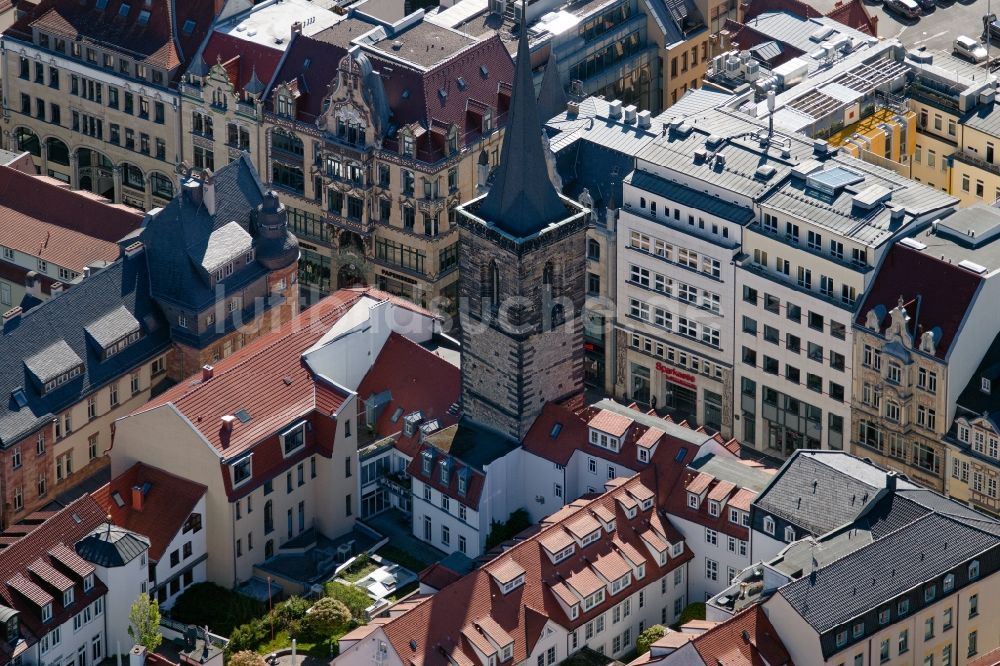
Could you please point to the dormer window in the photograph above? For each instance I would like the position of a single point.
(463, 483)
(445, 471)
(620, 584)
(610, 526)
(407, 145)
(241, 471)
(593, 600)
(984, 385)
(574, 611)
(734, 516)
(647, 504)
(677, 549)
(507, 653)
(427, 459)
(713, 508)
(68, 597)
(223, 272)
(563, 554)
(973, 569)
(769, 525)
(487, 121)
(591, 538)
(643, 454)
(640, 572)
(294, 438)
(46, 612)
(789, 534)
(693, 501)
(512, 585)
(286, 106)
(88, 583)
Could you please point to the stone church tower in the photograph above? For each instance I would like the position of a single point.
(521, 280)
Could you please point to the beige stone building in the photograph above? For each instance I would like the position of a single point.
(919, 334)
(102, 116)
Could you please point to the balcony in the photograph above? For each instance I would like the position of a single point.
(972, 160)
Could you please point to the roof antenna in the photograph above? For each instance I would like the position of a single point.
(770, 113)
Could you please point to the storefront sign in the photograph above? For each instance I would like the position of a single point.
(677, 376)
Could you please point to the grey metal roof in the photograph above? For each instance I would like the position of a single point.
(112, 326)
(180, 237)
(62, 319)
(672, 429)
(798, 31)
(695, 102)
(884, 569)
(522, 200)
(820, 491)
(111, 546)
(951, 240)
(687, 196)
(733, 470)
(52, 361)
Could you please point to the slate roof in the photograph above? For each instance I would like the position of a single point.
(885, 569)
(153, 32)
(844, 486)
(56, 224)
(111, 546)
(522, 199)
(937, 294)
(313, 80)
(238, 192)
(60, 323)
(552, 95)
(973, 400)
(167, 504)
(693, 198)
(46, 546)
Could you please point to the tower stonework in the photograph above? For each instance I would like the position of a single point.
(522, 339)
(521, 279)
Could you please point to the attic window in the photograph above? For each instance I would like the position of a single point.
(442, 93)
(117, 497)
(396, 414)
(984, 385)
(20, 399)
(243, 415)
(124, 10)
(461, 83)
(484, 71)
(513, 584)
(241, 471)
(101, 5)
(144, 17)
(88, 583)
(188, 27)
(294, 438)
(556, 429)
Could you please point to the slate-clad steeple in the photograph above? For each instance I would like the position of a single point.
(552, 96)
(522, 200)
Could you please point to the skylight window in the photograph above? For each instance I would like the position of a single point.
(243, 415)
(556, 429)
(461, 83)
(117, 497)
(124, 10)
(188, 27)
(143, 17)
(19, 397)
(102, 5)
(484, 70)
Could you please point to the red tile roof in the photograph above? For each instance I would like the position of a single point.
(268, 380)
(698, 483)
(59, 225)
(41, 558)
(607, 421)
(438, 576)
(991, 658)
(854, 14)
(160, 42)
(522, 612)
(937, 294)
(406, 370)
(166, 506)
(241, 58)
(748, 638)
(677, 503)
(742, 499)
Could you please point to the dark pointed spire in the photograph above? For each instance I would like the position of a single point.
(552, 96)
(254, 86)
(522, 200)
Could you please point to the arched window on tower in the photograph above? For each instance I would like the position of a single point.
(494, 285)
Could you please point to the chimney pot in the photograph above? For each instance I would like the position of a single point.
(227, 422)
(207, 372)
(134, 249)
(137, 498)
(11, 315)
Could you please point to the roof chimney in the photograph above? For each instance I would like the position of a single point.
(33, 285)
(134, 249)
(137, 498)
(890, 482)
(56, 289)
(227, 422)
(296, 29)
(11, 317)
(207, 371)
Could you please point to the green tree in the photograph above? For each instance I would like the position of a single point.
(247, 658)
(328, 617)
(144, 622)
(356, 599)
(649, 636)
